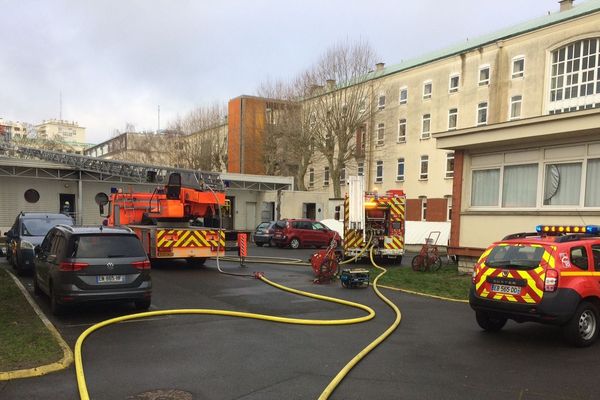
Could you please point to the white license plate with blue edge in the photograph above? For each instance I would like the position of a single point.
(110, 278)
(506, 289)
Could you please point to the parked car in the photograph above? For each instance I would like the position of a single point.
(263, 234)
(28, 231)
(303, 232)
(84, 264)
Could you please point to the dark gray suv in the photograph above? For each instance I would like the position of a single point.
(83, 264)
(28, 231)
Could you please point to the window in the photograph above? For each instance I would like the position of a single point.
(427, 89)
(379, 172)
(453, 84)
(579, 257)
(401, 131)
(482, 109)
(484, 75)
(423, 208)
(32, 196)
(452, 118)
(426, 127)
(562, 184)
(311, 177)
(361, 140)
(485, 187)
(424, 168)
(343, 176)
(403, 95)
(360, 169)
(515, 107)
(449, 205)
(596, 254)
(592, 189)
(450, 164)
(381, 102)
(326, 177)
(362, 106)
(519, 187)
(400, 170)
(380, 134)
(518, 67)
(575, 76)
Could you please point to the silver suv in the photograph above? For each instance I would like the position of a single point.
(83, 264)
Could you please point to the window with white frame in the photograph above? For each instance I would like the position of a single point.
(424, 172)
(484, 75)
(343, 176)
(311, 177)
(449, 208)
(400, 170)
(575, 76)
(326, 176)
(427, 89)
(518, 67)
(379, 171)
(452, 118)
(380, 134)
(401, 130)
(515, 107)
(403, 95)
(482, 113)
(381, 102)
(423, 208)
(453, 83)
(360, 169)
(426, 126)
(450, 164)
(566, 184)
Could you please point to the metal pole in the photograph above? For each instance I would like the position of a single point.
(80, 200)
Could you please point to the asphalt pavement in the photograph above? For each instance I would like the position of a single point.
(437, 352)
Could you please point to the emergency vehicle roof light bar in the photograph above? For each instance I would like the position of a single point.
(565, 229)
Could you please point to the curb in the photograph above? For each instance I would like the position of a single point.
(424, 294)
(63, 363)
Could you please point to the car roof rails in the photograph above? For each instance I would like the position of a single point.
(520, 235)
(574, 237)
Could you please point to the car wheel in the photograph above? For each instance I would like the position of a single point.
(295, 243)
(36, 285)
(259, 244)
(142, 305)
(489, 322)
(582, 329)
(55, 306)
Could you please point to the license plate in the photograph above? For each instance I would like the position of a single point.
(110, 278)
(506, 289)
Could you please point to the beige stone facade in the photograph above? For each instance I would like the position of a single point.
(66, 131)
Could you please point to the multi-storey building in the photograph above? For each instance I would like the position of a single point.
(68, 132)
(12, 130)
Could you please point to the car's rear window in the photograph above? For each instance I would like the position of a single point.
(107, 246)
(41, 226)
(515, 256)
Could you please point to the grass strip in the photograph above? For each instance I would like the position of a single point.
(24, 340)
(446, 282)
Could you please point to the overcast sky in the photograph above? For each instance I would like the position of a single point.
(115, 61)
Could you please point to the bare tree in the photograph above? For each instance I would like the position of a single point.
(341, 103)
(288, 145)
(199, 140)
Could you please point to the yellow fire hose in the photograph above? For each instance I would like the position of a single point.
(81, 383)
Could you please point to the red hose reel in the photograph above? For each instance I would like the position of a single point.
(324, 265)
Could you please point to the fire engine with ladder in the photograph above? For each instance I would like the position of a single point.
(177, 220)
(373, 218)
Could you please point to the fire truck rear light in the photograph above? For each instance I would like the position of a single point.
(551, 281)
(141, 264)
(72, 266)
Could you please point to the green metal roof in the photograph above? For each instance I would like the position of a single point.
(578, 10)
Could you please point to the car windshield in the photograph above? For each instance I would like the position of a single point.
(515, 256)
(262, 225)
(107, 246)
(318, 225)
(41, 226)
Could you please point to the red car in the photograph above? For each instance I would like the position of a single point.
(298, 233)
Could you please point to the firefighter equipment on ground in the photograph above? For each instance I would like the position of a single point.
(353, 278)
(428, 258)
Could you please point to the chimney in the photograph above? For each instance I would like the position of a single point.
(565, 5)
(379, 66)
(330, 84)
(313, 89)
